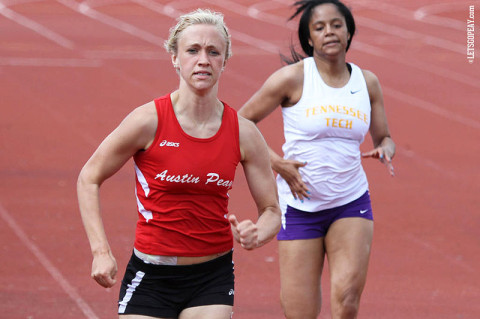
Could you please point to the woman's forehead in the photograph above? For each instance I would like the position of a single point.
(325, 12)
(202, 33)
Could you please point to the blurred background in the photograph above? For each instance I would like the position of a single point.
(71, 70)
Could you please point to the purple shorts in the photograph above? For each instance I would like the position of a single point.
(299, 224)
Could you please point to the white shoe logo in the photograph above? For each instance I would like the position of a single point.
(363, 211)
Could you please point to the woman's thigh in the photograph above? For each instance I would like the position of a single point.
(207, 312)
(348, 243)
(200, 312)
(138, 317)
(301, 265)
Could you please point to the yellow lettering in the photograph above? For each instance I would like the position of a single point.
(337, 109)
(353, 112)
(343, 123)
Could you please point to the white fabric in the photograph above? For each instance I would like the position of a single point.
(143, 182)
(325, 129)
(155, 259)
(130, 290)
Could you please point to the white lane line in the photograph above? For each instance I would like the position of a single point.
(47, 264)
(36, 27)
(254, 13)
(428, 68)
(410, 35)
(50, 62)
(459, 260)
(126, 55)
(423, 14)
(428, 14)
(86, 10)
(171, 12)
(432, 108)
(427, 162)
(166, 10)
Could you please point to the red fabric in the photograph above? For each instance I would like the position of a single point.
(187, 180)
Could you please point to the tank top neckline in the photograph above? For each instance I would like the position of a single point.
(193, 138)
(317, 73)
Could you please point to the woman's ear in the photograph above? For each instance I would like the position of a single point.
(175, 62)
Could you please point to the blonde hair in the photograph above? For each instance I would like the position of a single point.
(199, 16)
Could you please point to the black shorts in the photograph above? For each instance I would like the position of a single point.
(164, 291)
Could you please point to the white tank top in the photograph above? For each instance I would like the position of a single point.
(325, 129)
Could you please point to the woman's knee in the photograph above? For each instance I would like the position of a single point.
(297, 307)
(294, 312)
(346, 301)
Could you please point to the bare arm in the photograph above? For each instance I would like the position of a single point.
(384, 147)
(135, 132)
(284, 87)
(262, 186)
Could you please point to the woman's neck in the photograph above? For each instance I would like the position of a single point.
(334, 72)
(199, 115)
(197, 103)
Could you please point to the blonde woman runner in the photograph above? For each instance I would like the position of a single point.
(185, 147)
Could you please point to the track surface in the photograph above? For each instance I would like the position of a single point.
(70, 70)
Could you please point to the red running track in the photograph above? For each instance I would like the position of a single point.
(70, 70)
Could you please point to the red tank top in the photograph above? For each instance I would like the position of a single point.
(182, 185)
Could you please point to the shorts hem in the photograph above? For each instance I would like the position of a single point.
(150, 312)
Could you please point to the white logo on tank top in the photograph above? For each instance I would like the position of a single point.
(170, 144)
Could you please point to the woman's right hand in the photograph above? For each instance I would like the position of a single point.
(288, 169)
(104, 269)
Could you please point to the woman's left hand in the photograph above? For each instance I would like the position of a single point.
(244, 232)
(383, 155)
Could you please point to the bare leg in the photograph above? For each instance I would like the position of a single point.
(203, 312)
(139, 317)
(207, 312)
(301, 265)
(348, 243)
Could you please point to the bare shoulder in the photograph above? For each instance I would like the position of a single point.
(139, 126)
(373, 85)
(283, 79)
(291, 74)
(370, 78)
(145, 111)
(251, 140)
(144, 116)
(247, 128)
(283, 87)
(290, 83)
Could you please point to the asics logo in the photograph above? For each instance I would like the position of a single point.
(167, 143)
